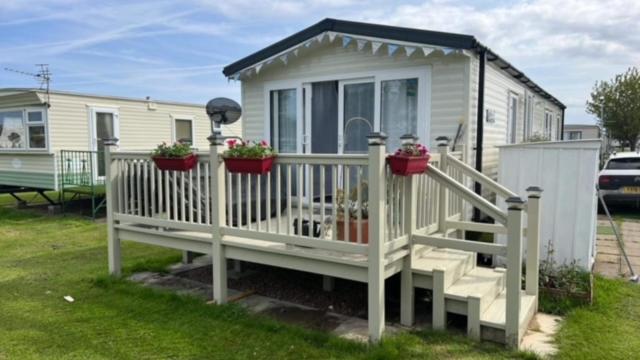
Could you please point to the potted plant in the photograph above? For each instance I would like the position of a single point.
(248, 157)
(411, 158)
(348, 212)
(178, 157)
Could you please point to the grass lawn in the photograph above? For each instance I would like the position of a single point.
(43, 259)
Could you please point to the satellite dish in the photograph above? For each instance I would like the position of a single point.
(223, 111)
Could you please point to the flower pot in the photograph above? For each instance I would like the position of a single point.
(177, 164)
(408, 165)
(353, 230)
(249, 166)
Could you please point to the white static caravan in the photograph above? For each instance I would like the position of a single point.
(35, 127)
(319, 96)
(323, 89)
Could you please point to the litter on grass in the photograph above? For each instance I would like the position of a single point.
(69, 298)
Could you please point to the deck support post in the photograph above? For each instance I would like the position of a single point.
(407, 294)
(218, 218)
(439, 306)
(377, 225)
(111, 180)
(328, 283)
(443, 198)
(473, 317)
(534, 212)
(514, 271)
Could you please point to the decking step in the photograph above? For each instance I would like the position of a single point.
(495, 315)
(485, 283)
(454, 263)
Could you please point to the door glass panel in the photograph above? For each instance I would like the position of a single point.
(104, 130)
(398, 110)
(358, 116)
(284, 120)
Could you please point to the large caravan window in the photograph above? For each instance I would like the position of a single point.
(183, 130)
(22, 129)
(284, 120)
(398, 109)
(528, 117)
(548, 125)
(512, 118)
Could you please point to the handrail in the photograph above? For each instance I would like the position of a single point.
(481, 178)
(475, 199)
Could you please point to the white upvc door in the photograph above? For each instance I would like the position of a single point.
(104, 123)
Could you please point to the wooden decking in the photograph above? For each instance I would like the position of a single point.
(410, 225)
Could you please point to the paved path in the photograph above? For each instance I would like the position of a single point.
(609, 261)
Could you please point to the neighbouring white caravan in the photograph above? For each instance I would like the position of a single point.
(35, 127)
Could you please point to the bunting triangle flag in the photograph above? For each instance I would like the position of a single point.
(320, 37)
(332, 36)
(391, 49)
(269, 61)
(447, 51)
(375, 45)
(345, 41)
(409, 50)
(307, 44)
(361, 44)
(295, 51)
(258, 68)
(427, 50)
(284, 58)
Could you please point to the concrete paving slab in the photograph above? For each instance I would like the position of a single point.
(539, 337)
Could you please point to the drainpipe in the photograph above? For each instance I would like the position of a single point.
(480, 124)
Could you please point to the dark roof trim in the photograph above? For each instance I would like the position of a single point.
(456, 41)
(444, 39)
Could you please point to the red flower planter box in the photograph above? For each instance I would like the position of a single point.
(178, 164)
(408, 165)
(249, 166)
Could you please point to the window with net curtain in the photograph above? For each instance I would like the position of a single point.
(184, 130)
(398, 110)
(283, 120)
(22, 129)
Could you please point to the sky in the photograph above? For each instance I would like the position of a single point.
(175, 50)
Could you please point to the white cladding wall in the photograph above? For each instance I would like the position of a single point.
(448, 82)
(498, 85)
(140, 127)
(567, 172)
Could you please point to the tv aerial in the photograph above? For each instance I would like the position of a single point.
(223, 111)
(43, 76)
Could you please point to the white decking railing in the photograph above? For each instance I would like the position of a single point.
(297, 210)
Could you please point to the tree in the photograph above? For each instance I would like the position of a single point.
(616, 103)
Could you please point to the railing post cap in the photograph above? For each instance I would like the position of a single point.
(110, 141)
(216, 138)
(442, 141)
(515, 203)
(377, 138)
(409, 137)
(534, 191)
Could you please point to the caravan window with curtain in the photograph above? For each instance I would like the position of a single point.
(22, 129)
(398, 109)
